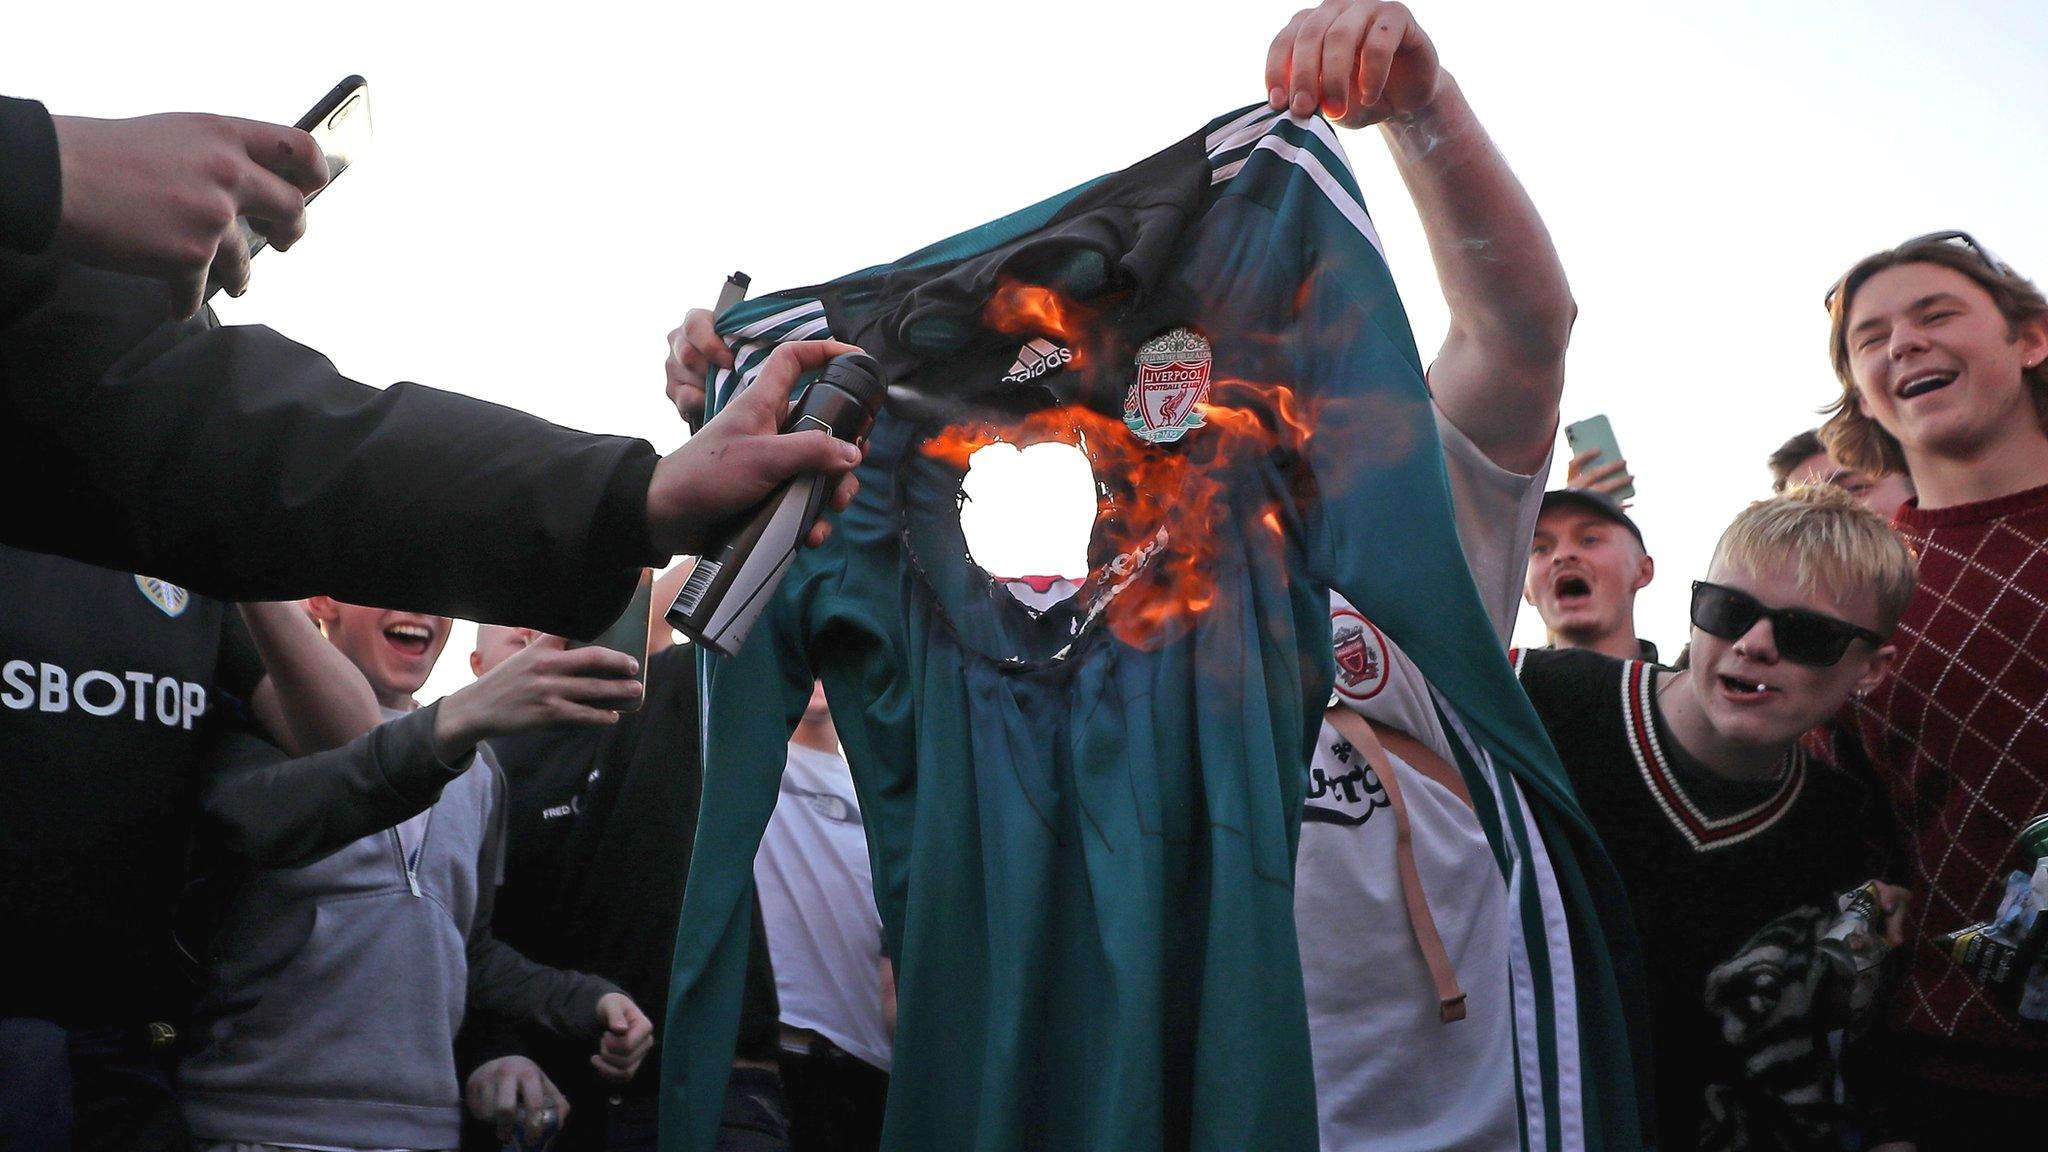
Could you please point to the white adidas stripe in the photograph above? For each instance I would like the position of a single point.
(1308, 162)
(1321, 130)
(767, 324)
(1240, 131)
(1250, 127)
(723, 380)
(1522, 976)
(1564, 986)
(1563, 991)
(818, 327)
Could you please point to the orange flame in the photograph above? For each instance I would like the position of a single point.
(1159, 512)
(1017, 308)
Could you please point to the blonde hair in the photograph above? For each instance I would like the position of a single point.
(1855, 439)
(1835, 547)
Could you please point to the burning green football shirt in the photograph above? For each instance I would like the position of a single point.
(1083, 801)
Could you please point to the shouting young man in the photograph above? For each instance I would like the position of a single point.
(1587, 561)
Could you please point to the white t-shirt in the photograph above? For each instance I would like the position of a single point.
(1390, 1076)
(818, 904)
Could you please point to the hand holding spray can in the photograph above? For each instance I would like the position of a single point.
(745, 561)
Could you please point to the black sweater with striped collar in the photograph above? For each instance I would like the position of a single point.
(1707, 861)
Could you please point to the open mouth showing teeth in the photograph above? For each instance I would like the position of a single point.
(1568, 587)
(1922, 385)
(1744, 687)
(411, 639)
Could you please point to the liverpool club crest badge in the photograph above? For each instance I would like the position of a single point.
(169, 598)
(1361, 655)
(1172, 381)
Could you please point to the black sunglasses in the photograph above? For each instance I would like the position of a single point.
(1952, 236)
(1810, 638)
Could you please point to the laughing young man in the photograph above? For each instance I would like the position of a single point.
(1939, 347)
(1715, 819)
(337, 986)
(1587, 561)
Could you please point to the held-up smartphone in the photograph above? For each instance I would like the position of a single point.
(340, 124)
(1595, 433)
(628, 633)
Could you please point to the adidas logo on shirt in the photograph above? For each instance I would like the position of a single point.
(1035, 359)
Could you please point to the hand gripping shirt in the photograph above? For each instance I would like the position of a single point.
(1083, 840)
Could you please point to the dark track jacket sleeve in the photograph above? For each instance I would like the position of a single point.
(240, 464)
(31, 191)
(503, 983)
(487, 1036)
(280, 812)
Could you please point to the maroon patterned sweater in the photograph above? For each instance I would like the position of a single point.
(1959, 733)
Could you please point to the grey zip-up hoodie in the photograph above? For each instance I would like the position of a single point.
(337, 987)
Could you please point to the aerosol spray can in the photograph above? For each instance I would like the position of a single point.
(1854, 948)
(742, 565)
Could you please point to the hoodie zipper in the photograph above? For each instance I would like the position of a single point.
(411, 867)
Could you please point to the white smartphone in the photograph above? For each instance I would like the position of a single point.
(1596, 433)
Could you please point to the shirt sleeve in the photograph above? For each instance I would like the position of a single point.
(239, 668)
(757, 695)
(1496, 514)
(280, 812)
(244, 466)
(31, 176)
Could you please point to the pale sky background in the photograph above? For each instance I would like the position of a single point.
(546, 195)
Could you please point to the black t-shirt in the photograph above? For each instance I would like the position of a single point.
(546, 772)
(105, 680)
(601, 822)
(1706, 861)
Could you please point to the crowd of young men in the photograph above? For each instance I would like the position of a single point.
(264, 899)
